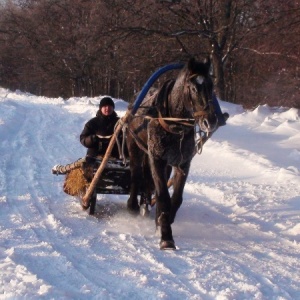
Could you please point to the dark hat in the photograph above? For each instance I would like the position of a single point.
(106, 101)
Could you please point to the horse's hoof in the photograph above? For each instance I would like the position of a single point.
(144, 210)
(133, 210)
(167, 245)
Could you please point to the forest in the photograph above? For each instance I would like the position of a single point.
(75, 48)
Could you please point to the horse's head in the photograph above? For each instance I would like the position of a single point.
(198, 94)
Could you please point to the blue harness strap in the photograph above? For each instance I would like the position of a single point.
(153, 78)
(150, 82)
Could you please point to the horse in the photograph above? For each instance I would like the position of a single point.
(161, 140)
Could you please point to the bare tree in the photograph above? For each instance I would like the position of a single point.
(268, 60)
(193, 28)
(90, 47)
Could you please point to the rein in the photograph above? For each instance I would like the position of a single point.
(178, 125)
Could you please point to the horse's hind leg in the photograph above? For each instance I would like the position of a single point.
(147, 188)
(145, 203)
(136, 158)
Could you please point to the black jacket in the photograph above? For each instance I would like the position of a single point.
(99, 125)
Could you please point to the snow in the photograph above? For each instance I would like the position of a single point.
(237, 232)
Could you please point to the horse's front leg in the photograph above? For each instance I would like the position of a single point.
(179, 179)
(132, 202)
(163, 202)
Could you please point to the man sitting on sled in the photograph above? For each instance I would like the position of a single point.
(95, 136)
(98, 131)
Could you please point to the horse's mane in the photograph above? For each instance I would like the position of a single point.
(162, 95)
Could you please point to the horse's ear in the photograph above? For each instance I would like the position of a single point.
(193, 65)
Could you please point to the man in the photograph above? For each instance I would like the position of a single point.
(98, 131)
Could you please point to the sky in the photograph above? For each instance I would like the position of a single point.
(237, 232)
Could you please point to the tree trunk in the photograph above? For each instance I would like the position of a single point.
(218, 73)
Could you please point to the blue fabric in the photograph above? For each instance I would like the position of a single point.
(220, 116)
(217, 106)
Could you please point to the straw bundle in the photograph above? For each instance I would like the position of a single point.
(75, 183)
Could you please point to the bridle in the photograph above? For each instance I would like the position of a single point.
(199, 112)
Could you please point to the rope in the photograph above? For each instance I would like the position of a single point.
(178, 120)
(124, 127)
(118, 142)
(201, 140)
(139, 142)
(121, 146)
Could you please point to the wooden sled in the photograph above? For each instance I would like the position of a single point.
(115, 179)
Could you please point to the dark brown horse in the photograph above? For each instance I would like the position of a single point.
(162, 138)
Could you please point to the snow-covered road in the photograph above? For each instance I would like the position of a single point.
(237, 232)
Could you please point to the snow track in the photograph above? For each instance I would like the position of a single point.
(237, 232)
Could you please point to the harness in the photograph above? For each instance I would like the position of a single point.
(177, 126)
(174, 125)
(168, 123)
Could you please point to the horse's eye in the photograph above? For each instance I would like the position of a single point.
(199, 79)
